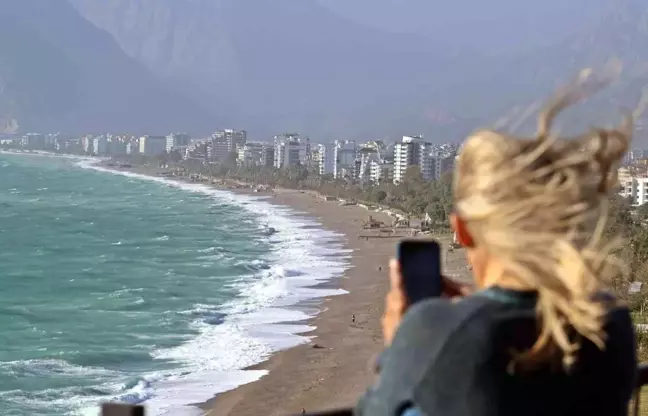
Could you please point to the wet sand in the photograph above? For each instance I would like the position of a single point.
(334, 369)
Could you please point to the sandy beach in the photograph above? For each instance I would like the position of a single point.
(333, 369)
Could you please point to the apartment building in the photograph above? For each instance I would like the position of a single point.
(326, 158)
(250, 154)
(152, 145)
(411, 151)
(437, 165)
(290, 150)
(381, 171)
(234, 138)
(178, 141)
(132, 148)
(635, 188)
(434, 160)
(635, 155)
(34, 141)
(225, 142)
(217, 151)
(267, 155)
(345, 153)
(366, 157)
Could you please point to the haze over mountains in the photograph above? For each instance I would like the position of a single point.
(280, 64)
(328, 68)
(493, 27)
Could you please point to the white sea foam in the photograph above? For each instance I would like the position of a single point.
(249, 328)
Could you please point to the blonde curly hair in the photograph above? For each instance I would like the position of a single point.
(540, 205)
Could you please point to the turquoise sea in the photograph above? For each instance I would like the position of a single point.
(126, 288)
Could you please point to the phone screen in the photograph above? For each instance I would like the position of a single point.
(420, 263)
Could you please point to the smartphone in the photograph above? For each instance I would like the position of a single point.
(420, 263)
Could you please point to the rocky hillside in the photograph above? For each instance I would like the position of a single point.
(280, 64)
(272, 65)
(621, 33)
(494, 26)
(59, 72)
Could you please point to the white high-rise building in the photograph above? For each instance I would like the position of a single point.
(326, 162)
(87, 144)
(344, 154)
(290, 150)
(366, 158)
(411, 151)
(635, 188)
(381, 171)
(100, 145)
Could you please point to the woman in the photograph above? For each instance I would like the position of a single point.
(540, 336)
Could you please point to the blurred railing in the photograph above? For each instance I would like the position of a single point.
(110, 409)
(642, 380)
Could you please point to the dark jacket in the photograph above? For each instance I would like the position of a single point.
(452, 359)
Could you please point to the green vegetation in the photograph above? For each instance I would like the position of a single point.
(413, 196)
(417, 197)
(633, 252)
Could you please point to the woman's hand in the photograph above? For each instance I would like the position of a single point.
(396, 302)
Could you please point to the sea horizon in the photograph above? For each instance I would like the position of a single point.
(182, 284)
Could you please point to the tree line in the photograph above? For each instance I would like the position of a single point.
(413, 195)
(418, 197)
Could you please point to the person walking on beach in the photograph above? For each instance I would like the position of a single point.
(541, 336)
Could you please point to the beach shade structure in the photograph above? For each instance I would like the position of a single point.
(115, 409)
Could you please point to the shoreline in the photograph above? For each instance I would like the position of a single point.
(314, 352)
(333, 367)
(303, 300)
(322, 290)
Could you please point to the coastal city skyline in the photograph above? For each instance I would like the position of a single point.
(372, 161)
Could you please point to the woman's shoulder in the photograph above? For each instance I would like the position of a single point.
(618, 315)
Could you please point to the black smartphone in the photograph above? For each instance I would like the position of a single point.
(420, 263)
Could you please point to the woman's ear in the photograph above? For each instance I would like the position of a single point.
(459, 226)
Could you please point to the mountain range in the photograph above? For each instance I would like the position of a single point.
(59, 72)
(369, 69)
(278, 64)
(492, 27)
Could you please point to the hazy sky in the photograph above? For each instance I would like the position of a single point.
(489, 25)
